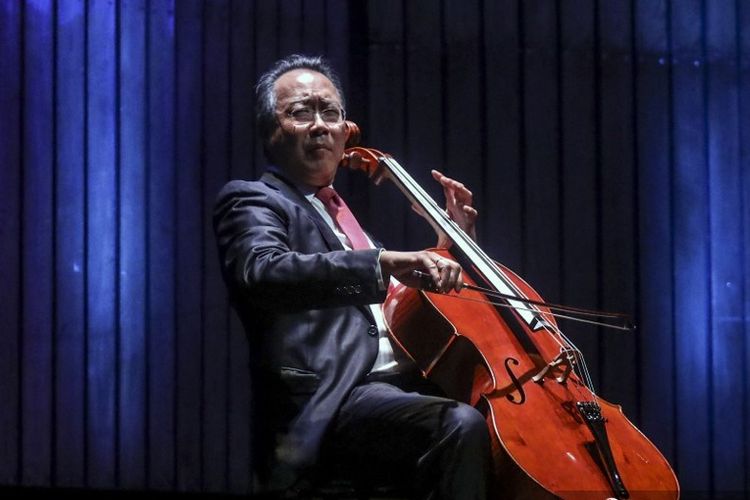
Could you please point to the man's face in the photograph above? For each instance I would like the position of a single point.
(308, 143)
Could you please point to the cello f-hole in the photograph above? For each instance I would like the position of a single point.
(516, 383)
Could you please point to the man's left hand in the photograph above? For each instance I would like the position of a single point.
(458, 201)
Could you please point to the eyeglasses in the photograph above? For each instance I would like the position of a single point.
(305, 115)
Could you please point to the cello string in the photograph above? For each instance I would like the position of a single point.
(581, 367)
(579, 364)
(460, 237)
(567, 347)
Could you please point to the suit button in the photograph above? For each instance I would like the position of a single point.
(372, 330)
(357, 289)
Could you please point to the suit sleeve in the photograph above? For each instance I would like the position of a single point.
(261, 263)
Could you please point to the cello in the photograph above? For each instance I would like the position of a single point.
(496, 345)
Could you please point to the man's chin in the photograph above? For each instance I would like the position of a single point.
(322, 170)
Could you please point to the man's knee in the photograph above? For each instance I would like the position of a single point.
(469, 425)
(463, 455)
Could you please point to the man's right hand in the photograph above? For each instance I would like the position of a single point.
(445, 273)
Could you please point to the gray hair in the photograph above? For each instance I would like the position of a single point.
(265, 108)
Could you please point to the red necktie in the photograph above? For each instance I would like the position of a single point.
(338, 210)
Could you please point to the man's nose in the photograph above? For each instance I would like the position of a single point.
(318, 125)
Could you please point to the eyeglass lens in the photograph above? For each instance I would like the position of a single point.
(306, 114)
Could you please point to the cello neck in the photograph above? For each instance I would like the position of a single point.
(479, 260)
(434, 214)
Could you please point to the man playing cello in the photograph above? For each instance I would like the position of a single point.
(308, 283)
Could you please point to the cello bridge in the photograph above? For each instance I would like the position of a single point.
(565, 360)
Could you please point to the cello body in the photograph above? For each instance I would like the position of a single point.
(541, 445)
(496, 345)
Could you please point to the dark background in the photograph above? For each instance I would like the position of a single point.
(607, 144)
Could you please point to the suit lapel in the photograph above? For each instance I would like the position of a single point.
(292, 193)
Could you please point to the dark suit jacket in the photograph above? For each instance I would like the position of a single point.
(302, 299)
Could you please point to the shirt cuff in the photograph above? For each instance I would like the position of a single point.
(381, 281)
